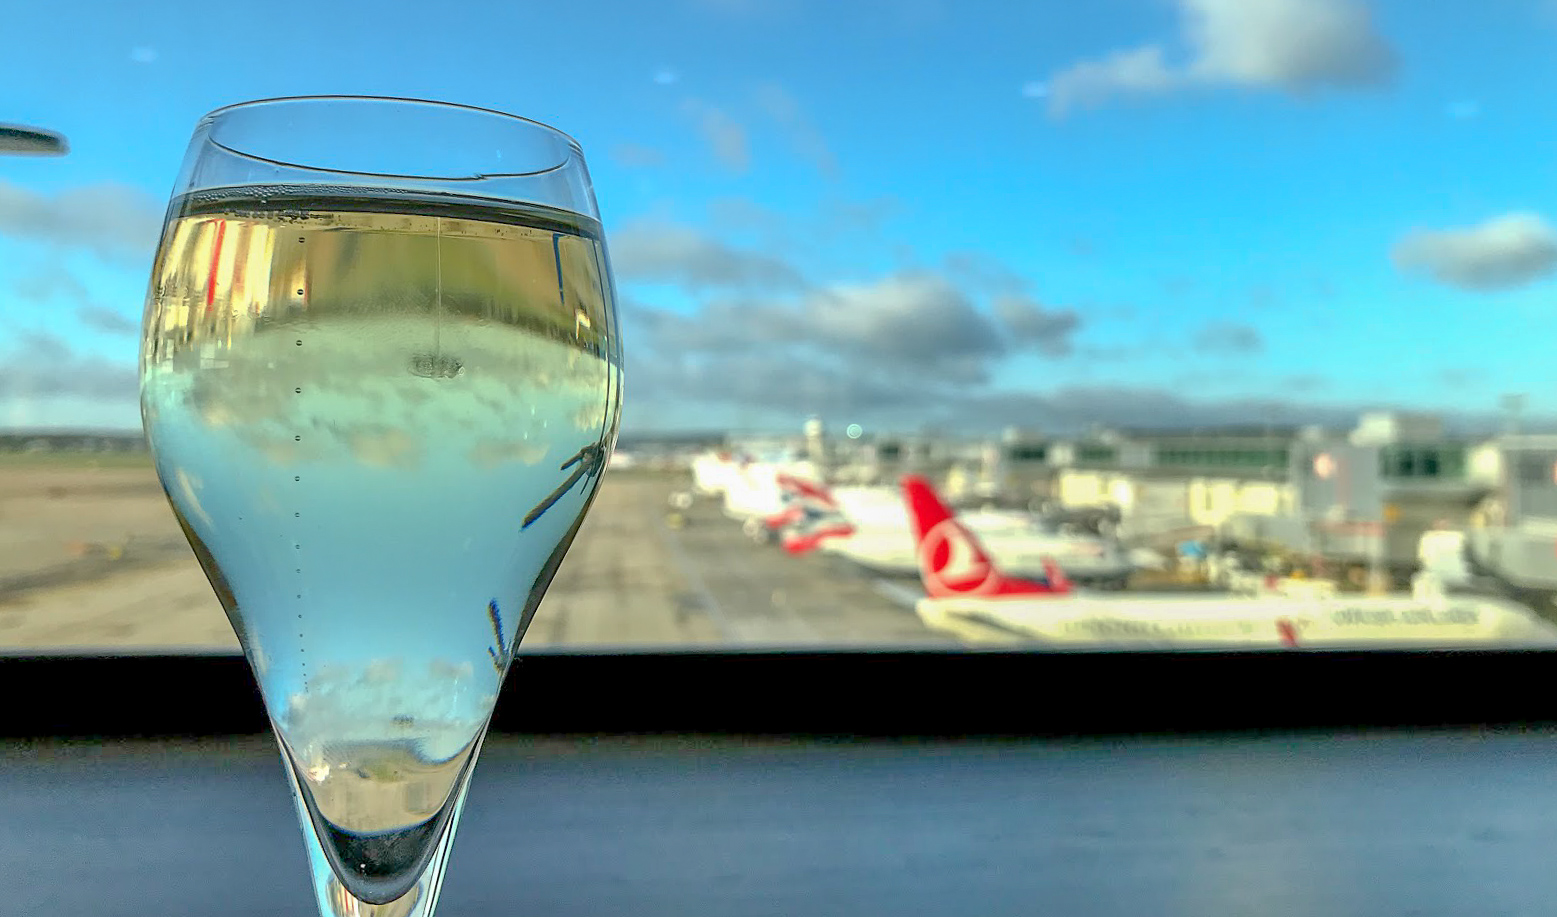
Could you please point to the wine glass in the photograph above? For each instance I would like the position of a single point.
(380, 377)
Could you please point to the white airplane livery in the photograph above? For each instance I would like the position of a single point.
(711, 472)
(880, 538)
(967, 594)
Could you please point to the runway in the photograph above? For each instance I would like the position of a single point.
(633, 578)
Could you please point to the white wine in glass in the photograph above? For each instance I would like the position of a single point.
(380, 377)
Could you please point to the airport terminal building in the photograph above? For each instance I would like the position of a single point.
(1359, 499)
(1361, 496)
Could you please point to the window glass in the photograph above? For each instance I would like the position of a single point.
(1185, 311)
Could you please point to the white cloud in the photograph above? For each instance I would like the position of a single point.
(50, 280)
(637, 156)
(803, 135)
(918, 320)
(666, 77)
(914, 327)
(772, 384)
(1048, 331)
(44, 365)
(1464, 110)
(724, 135)
(857, 216)
(828, 235)
(143, 55)
(106, 320)
(761, 337)
(657, 252)
(1229, 338)
(1034, 89)
(54, 281)
(984, 273)
(1287, 45)
(1140, 71)
(112, 220)
(1502, 252)
(910, 319)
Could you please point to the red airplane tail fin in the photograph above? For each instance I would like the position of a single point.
(804, 540)
(801, 498)
(953, 563)
(813, 492)
(792, 515)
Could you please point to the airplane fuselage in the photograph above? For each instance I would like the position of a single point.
(1225, 621)
(1022, 553)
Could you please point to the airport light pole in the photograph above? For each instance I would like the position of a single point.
(1513, 405)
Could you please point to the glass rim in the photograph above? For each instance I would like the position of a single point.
(215, 113)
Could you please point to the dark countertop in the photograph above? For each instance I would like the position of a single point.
(1402, 823)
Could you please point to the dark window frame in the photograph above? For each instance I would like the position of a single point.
(1424, 462)
(1028, 453)
(845, 692)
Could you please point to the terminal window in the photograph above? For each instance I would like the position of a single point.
(1222, 458)
(1422, 462)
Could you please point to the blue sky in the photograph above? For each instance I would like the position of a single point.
(897, 213)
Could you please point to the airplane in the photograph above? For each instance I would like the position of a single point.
(882, 541)
(967, 594)
(815, 513)
(801, 499)
(952, 562)
(811, 516)
(856, 524)
(752, 492)
(711, 472)
(813, 529)
(882, 507)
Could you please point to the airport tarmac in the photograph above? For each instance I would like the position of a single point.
(91, 557)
